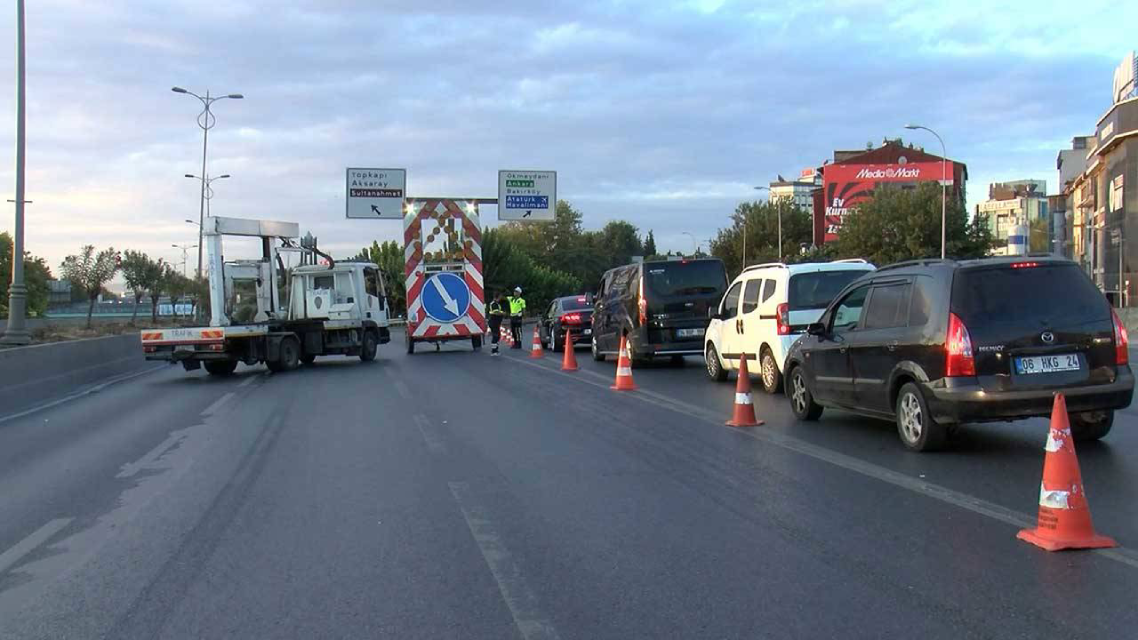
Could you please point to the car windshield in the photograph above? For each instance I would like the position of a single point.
(1055, 292)
(682, 278)
(816, 290)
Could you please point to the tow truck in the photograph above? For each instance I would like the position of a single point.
(332, 308)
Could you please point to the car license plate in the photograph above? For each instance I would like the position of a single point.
(1047, 364)
(689, 333)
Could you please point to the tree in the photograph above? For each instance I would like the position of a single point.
(155, 284)
(761, 226)
(37, 275)
(649, 245)
(90, 271)
(390, 260)
(619, 241)
(902, 224)
(135, 270)
(177, 287)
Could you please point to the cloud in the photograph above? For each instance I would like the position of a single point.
(665, 114)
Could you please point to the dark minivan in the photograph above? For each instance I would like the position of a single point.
(932, 344)
(660, 306)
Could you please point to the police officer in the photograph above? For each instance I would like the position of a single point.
(497, 315)
(517, 309)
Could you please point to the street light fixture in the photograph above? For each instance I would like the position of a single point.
(208, 188)
(206, 120)
(778, 208)
(185, 254)
(694, 246)
(943, 183)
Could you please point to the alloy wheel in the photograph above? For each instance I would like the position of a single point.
(912, 419)
(798, 396)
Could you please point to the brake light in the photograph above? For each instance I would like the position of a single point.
(1121, 341)
(571, 318)
(782, 319)
(1024, 265)
(642, 304)
(958, 347)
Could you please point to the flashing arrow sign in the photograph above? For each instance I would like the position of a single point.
(446, 298)
(448, 302)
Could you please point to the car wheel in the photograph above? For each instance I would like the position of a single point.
(371, 343)
(801, 399)
(915, 424)
(772, 379)
(597, 355)
(715, 369)
(1091, 425)
(220, 367)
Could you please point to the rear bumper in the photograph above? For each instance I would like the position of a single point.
(181, 356)
(685, 348)
(961, 401)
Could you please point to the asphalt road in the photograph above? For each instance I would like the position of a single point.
(454, 495)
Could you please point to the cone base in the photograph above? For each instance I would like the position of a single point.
(1051, 543)
(564, 368)
(743, 423)
(536, 354)
(623, 387)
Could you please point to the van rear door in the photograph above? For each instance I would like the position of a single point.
(1035, 324)
(679, 294)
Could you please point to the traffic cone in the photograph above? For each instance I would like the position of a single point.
(569, 359)
(624, 369)
(744, 414)
(507, 337)
(536, 351)
(1064, 520)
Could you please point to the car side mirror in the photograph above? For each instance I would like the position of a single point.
(713, 314)
(816, 329)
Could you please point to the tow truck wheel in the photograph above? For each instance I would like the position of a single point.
(371, 342)
(288, 356)
(221, 367)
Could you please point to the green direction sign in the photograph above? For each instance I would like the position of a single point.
(520, 184)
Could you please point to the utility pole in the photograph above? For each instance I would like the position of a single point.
(17, 331)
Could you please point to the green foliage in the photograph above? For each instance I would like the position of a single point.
(177, 287)
(762, 234)
(649, 245)
(390, 260)
(36, 277)
(90, 271)
(902, 224)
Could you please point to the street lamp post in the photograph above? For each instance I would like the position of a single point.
(208, 194)
(943, 183)
(185, 254)
(778, 207)
(17, 331)
(206, 120)
(694, 246)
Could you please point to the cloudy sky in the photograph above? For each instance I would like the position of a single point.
(662, 113)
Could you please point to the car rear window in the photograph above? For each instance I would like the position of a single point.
(1055, 292)
(681, 278)
(575, 304)
(816, 290)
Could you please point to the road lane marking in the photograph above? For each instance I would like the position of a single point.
(9, 558)
(434, 443)
(928, 489)
(217, 404)
(152, 456)
(75, 396)
(249, 380)
(516, 593)
(401, 387)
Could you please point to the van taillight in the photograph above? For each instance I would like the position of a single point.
(642, 304)
(1121, 341)
(782, 319)
(958, 347)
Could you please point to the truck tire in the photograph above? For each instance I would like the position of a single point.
(288, 356)
(476, 342)
(221, 367)
(371, 343)
(410, 345)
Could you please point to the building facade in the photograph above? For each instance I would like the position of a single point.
(800, 191)
(853, 175)
(1010, 207)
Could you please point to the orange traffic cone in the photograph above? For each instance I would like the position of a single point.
(507, 337)
(1064, 516)
(569, 359)
(536, 351)
(744, 415)
(624, 369)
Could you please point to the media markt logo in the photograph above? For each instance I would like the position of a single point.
(890, 173)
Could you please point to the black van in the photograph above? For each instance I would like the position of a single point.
(660, 306)
(935, 343)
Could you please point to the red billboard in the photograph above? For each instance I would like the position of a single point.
(847, 185)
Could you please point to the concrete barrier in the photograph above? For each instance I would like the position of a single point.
(32, 375)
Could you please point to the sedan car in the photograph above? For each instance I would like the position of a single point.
(569, 313)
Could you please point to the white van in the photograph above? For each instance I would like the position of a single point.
(767, 308)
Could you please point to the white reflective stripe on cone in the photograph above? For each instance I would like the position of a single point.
(623, 371)
(742, 398)
(1053, 499)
